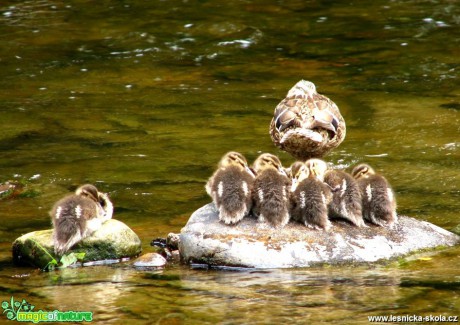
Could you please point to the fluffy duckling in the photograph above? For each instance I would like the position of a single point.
(346, 197)
(78, 215)
(230, 188)
(307, 124)
(310, 196)
(378, 199)
(271, 191)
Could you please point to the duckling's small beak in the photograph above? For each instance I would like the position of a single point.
(282, 171)
(251, 171)
(294, 184)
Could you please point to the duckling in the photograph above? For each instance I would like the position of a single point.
(346, 197)
(230, 187)
(307, 124)
(78, 215)
(270, 194)
(378, 199)
(310, 196)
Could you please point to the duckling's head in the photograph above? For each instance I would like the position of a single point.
(298, 172)
(317, 168)
(362, 171)
(302, 89)
(294, 168)
(266, 161)
(234, 158)
(89, 191)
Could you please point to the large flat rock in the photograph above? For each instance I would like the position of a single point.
(205, 240)
(113, 241)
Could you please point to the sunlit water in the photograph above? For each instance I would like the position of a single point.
(143, 98)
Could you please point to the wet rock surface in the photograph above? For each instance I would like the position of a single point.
(205, 240)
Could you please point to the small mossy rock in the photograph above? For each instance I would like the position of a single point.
(205, 240)
(150, 260)
(114, 240)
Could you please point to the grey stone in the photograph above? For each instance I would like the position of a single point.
(205, 240)
(113, 241)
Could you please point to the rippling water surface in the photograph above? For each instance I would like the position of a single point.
(143, 98)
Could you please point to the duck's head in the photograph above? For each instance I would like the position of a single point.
(302, 89)
(266, 161)
(236, 159)
(362, 171)
(89, 191)
(298, 173)
(317, 168)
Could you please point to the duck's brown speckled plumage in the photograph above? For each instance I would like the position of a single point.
(307, 124)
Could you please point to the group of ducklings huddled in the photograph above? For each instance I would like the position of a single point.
(309, 192)
(308, 126)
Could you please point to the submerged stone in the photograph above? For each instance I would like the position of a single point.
(205, 240)
(113, 241)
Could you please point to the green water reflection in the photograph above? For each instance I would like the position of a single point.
(142, 98)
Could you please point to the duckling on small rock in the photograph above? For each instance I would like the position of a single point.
(230, 188)
(346, 197)
(271, 191)
(78, 215)
(310, 196)
(307, 124)
(378, 199)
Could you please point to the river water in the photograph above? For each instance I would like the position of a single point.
(142, 98)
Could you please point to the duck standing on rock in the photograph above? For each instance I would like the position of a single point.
(346, 197)
(307, 124)
(378, 199)
(78, 215)
(271, 191)
(310, 196)
(230, 188)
